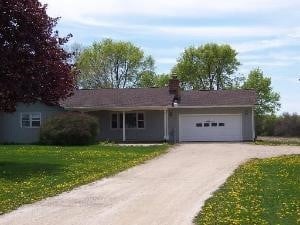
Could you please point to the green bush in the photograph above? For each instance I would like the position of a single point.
(265, 125)
(70, 129)
(288, 125)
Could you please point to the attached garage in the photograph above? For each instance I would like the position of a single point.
(210, 127)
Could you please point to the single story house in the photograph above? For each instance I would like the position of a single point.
(145, 114)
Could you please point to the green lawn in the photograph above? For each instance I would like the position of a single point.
(262, 191)
(30, 172)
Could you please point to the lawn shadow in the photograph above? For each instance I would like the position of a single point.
(18, 171)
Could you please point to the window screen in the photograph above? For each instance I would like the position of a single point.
(141, 121)
(130, 121)
(25, 120)
(133, 120)
(30, 120)
(114, 120)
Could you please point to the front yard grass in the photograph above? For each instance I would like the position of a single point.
(29, 173)
(262, 191)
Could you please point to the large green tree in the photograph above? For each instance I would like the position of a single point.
(207, 67)
(153, 80)
(112, 64)
(267, 98)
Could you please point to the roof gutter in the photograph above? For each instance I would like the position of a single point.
(91, 108)
(210, 106)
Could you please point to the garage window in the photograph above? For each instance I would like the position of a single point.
(198, 124)
(206, 124)
(214, 124)
(221, 124)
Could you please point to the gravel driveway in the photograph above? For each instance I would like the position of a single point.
(169, 190)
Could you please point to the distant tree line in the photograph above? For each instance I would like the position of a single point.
(285, 125)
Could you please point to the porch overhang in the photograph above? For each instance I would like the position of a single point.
(117, 109)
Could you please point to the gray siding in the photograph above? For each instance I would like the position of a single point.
(153, 131)
(246, 119)
(10, 126)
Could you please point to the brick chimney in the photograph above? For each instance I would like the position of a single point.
(174, 87)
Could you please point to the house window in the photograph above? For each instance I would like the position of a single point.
(30, 120)
(114, 120)
(133, 120)
(141, 121)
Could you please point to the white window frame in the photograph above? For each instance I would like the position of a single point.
(119, 114)
(30, 119)
(137, 120)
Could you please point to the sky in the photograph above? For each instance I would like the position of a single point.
(265, 33)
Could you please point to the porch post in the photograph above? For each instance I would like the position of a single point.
(124, 133)
(166, 136)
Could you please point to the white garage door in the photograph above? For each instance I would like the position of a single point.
(210, 127)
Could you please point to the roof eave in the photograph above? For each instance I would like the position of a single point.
(212, 106)
(96, 108)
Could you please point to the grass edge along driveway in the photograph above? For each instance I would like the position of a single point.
(29, 173)
(261, 191)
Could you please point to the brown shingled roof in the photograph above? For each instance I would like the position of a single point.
(113, 98)
(217, 98)
(148, 97)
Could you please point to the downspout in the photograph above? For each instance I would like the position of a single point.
(253, 125)
(166, 132)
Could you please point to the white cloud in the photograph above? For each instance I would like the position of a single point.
(190, 31)
(219, 31)
(282, 56)
(189, 8)
(266, 63)
(271, 59)
(112, 15)
(284, 40)
(295, 33)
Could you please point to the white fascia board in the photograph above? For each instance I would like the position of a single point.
(88, 108)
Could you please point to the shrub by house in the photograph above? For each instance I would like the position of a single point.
(70, 128)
